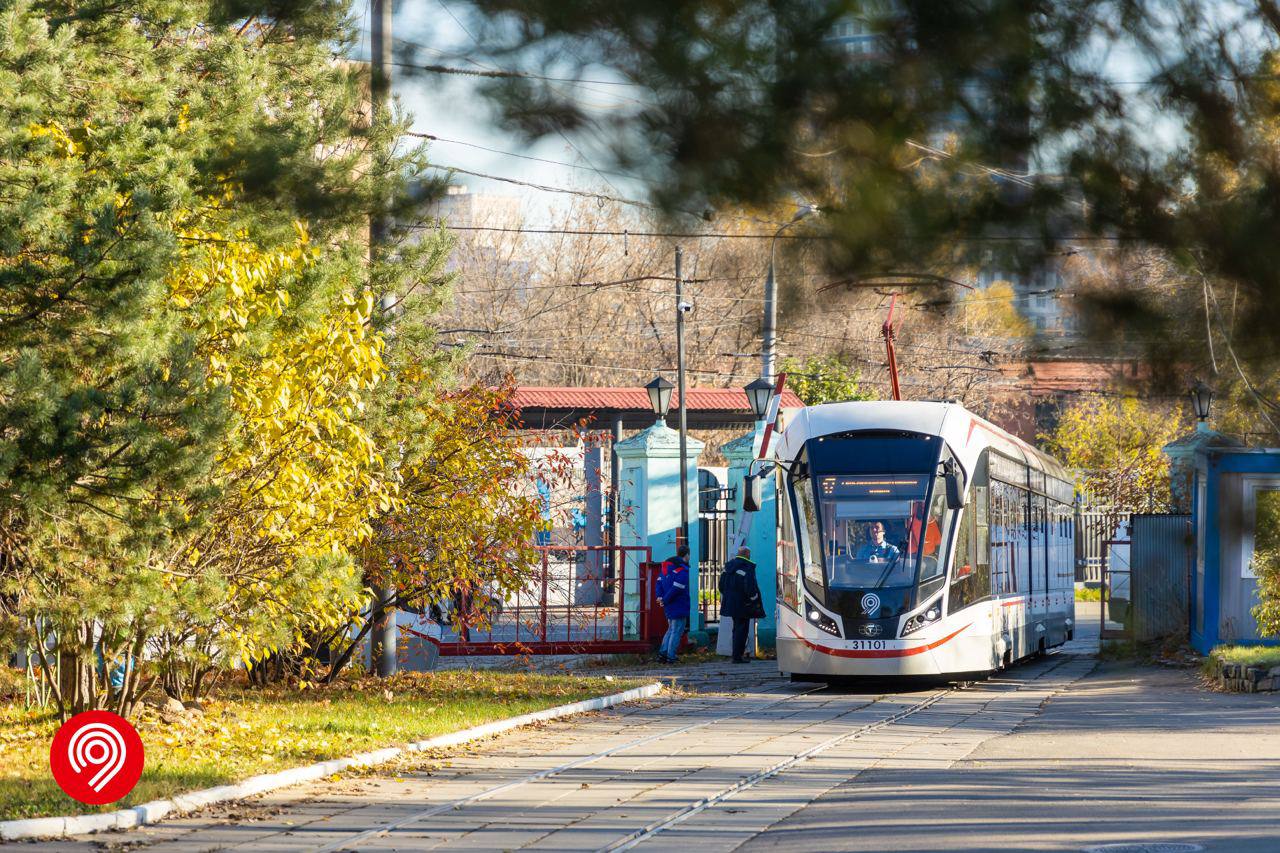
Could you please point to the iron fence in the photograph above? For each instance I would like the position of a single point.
(575, 602)
(715, 529)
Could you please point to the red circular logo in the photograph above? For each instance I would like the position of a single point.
(96, 757)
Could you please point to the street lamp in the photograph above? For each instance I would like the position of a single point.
(1201, 399)
(758, 394)
(771, 296)
(660, 397)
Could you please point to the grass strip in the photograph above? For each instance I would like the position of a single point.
(1260, 656)
(242, 732)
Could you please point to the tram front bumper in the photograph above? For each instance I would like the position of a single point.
(882, 658)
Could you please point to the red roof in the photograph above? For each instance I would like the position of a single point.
(637, 399)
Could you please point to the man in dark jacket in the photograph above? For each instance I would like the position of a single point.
(673, 595)
(740, 599)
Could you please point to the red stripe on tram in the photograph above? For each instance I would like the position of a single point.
(875, 653)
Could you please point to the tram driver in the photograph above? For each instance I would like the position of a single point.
(877, 550)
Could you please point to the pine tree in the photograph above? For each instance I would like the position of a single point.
(150, 154)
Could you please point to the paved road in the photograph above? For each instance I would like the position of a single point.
(1057, 754)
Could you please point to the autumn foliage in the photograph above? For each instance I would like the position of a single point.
(212, 441)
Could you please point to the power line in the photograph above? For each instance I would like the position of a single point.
(545, 188)
(504, 74)
(726, 235)
(436, 138)
(587, 232)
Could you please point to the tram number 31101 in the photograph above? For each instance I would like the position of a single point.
(867, 645)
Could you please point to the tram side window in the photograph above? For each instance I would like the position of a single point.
(788, 553)
(805, 512)
(1008, 544)
(982, 525)
(1022, 562)
(1040, 543)
(970, 576)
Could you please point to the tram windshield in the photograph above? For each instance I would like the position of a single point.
(876, 522)
(876, 531)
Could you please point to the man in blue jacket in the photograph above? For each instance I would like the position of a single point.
(673, 595)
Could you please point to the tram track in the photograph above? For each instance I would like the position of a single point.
(674, 819)
(644, 833)
(462, 802)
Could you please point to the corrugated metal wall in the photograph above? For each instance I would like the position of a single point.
(1160, 558)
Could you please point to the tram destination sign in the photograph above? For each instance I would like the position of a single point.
(871, 486)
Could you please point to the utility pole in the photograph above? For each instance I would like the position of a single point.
(385, 634)
(682, 308)
(770, 331)
(770, 317)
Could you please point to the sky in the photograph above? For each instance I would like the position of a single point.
(450, 107)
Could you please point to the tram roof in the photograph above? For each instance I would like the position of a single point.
(952, 421)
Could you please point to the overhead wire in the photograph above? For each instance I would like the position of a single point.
(994, 171)
(435, 138)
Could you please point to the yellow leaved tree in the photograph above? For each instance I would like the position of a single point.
(1115, 443)
(299, 475)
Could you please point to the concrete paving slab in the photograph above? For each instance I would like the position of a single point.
(1128, 755)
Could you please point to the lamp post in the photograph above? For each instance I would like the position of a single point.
(1201, 400)
(771, 297)
(659, 391)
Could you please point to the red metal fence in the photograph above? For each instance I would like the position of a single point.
(579, 600)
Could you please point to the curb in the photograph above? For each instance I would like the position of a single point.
(70, 825)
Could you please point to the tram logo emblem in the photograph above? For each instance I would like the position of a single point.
(870, 603)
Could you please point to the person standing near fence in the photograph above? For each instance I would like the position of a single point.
(740, 599)
(673, 595)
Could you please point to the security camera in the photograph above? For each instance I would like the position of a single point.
(684, 307)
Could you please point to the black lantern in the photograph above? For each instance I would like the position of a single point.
(758, 394)
(660, 396)
(1201, 399)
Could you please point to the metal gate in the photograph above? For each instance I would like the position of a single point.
(715, 537)
(1094, 526)
(1116, 578)
(579, 600)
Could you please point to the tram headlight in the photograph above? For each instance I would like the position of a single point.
(925, 617)
(822, 621)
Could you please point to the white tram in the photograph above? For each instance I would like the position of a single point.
(917, 539)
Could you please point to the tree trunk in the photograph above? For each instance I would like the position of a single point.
(343, 659)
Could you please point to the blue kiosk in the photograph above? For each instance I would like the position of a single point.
(1227, 482)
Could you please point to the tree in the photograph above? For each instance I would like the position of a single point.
(1116, 445)
(1266, 562)
(993, 312)
(1047, 144)
(585, 308)
(464, 517)
(823, 379)
(187, 347)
